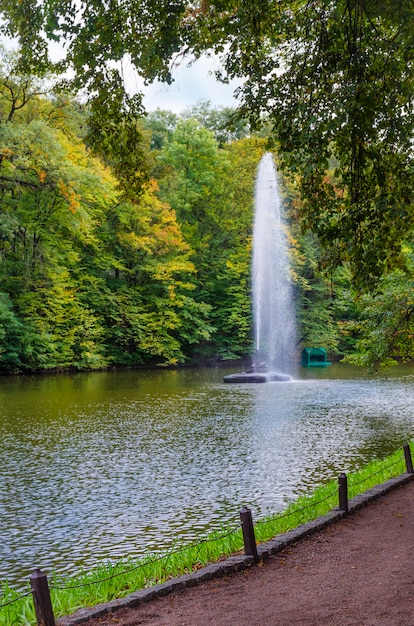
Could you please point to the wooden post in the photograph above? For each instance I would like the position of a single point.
(408, 459)
(249, 539)
(41, 599)
(343, 492)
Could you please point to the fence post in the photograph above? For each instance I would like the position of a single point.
(249, 539)
(408, 459)
(41, 599)
(343, 492)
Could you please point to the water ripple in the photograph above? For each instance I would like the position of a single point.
(102, 466)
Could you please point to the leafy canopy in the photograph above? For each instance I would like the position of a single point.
(333, 77)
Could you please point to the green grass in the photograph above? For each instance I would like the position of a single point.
(109, 581)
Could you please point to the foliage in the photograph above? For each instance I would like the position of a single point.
(115, 134)
(385, 327)
(52, 194)
(48, 188)
(101, 264)
(94, 270)
(325, 303)
(233, 281)
(161, 124)
(212, 192)
(17, 89)
(11, 333)
(334, 79)
(222, 121)
(150, 311)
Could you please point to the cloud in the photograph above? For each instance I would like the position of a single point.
(191, 85)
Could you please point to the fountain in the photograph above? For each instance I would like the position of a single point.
(274, 326)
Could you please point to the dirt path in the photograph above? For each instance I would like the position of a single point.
(357, 572)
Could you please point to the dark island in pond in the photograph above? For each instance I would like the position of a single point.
(257, 374)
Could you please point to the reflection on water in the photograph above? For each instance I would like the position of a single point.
(102, 465)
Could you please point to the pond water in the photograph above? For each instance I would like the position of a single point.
(98, 466)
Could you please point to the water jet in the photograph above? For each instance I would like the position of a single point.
(274, 319)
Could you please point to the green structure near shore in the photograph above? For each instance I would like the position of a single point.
(315, 357)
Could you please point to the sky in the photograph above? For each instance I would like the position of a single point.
(192, 85)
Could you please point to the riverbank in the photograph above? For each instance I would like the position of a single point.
(356, 571)
(206, 559)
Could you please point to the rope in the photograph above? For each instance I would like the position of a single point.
(200, 542)
(145, 563)
(364, 480)
(24, 595)
(308, 506)
(313, 504)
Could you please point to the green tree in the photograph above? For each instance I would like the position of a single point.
(234, 313)
(60, 332)
(94, 270)
(194, 187)
(212, 192)
(335, 79)
(115, 134)
(148, 306)
(52, 195)
(11, 336)
(384, 326)
(161, 123)
(48, 187)
(195, 184)
(222, 121)
(17, 89)
(326, 309)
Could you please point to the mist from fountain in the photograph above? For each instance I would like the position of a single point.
(274, 316)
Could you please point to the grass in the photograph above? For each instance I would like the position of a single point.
(109, 581)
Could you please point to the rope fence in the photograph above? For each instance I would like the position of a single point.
(312, 505)
(364, 480)
(150, 562)
(23, 595)
(39, 584)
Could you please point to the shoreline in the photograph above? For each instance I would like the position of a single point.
(235, 564)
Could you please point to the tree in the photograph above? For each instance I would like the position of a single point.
(211, 190)
(60, 331)
(222, 121)
(52, 194)
(98, 36)
(11, 336)
(17, 88)
(384, 324)
(195, 182)
(161, 123)
(50, 189)
(335, 79)
(115, 135)
(326, 309)
(148, 305)
(94, 268)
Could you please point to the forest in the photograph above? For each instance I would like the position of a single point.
(125, 235)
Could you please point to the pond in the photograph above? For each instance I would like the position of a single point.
(98, 466)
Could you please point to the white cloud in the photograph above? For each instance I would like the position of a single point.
(191, 85)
